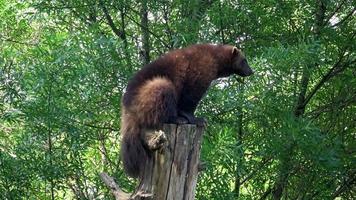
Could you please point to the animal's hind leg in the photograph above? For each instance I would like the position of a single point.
(156, 103)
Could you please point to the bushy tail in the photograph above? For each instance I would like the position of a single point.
(154, 104)
(133, 153)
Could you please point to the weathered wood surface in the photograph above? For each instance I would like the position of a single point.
(115, 189)
(172, 172)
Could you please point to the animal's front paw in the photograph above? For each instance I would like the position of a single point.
(187, 116)
(181, 120)
(200, 122)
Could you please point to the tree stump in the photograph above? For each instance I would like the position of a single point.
(172, 172)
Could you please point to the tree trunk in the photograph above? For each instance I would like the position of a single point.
(239, 137)
(145, 34)
(299, 110)
(172, 172)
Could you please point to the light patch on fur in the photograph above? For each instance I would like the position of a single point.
(235, 50)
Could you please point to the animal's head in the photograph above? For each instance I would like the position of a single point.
(239, 63)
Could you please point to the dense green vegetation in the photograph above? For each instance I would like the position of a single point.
(288, 132)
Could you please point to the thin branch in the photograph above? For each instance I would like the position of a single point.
(335, 11)
(111, 23)
(82, 17)
(265, 194)
(336, 69)
(15, 41)
(61, 7)
(153, 34)
(222, 35)
(140, 25)
(106, 157)
(262, 164)
(93, 125)
(339, 105)
(166, 23)
(100, 127)
(350, 180)
(76, 191)
(114, 187)
(345, 18)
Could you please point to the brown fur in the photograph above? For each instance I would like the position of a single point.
(168, 88)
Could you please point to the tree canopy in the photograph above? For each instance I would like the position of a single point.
(287, 132)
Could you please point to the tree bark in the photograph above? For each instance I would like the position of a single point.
(172, 171)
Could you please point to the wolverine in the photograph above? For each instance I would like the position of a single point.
(168, 90)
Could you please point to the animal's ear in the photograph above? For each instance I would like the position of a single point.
(235, 51)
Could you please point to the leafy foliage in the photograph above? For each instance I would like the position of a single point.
(288, 132)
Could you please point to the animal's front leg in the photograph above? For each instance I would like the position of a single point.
(187, 115)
